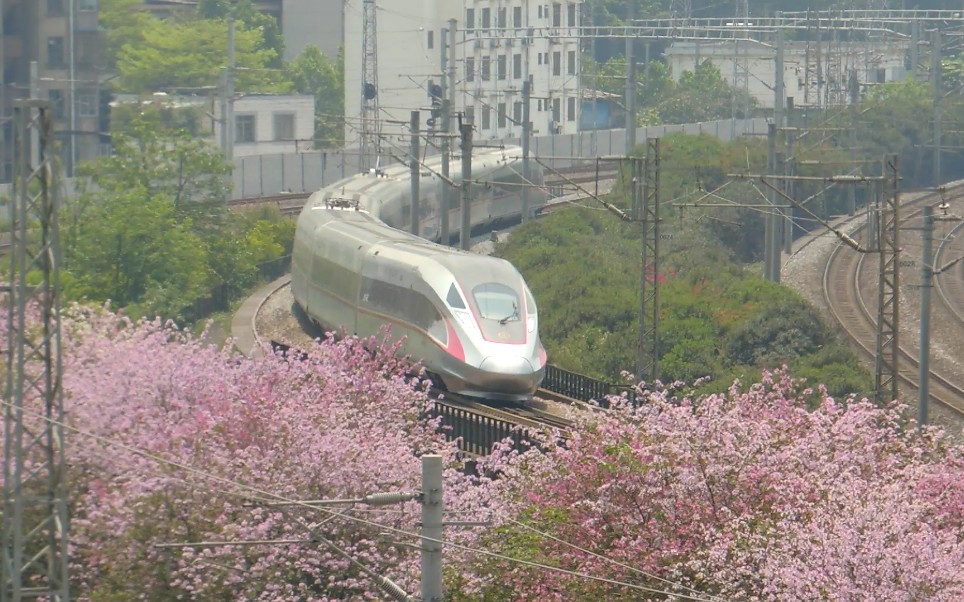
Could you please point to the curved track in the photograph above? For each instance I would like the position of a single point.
(950, 283)
(850, 291)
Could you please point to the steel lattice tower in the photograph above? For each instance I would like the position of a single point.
(647, 213)
(35, 530)
(887, 371)
(370, 142)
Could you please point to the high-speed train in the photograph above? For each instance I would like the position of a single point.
(469, 318)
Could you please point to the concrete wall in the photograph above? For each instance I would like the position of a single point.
(309, 171)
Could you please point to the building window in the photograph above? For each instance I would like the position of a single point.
(87, 6)
(244, 128)
(55, 52)
(485, 117)
(87, 103)
(486, 68)
(431, 39)
(571, 108)
(470, 18)
(55, 8)
(500, 118)
(556, 109)
(540, 11)
(469, 69)
(501, 18)
(556, 60)
(486, 18)
(500, 67)
(517, 112)
(517, 16)
(284, 126)
(571, 62)
(556, 14)
(539, 57)
(516, 66)
(56, 98)
(571, 10)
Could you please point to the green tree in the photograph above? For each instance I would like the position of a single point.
(154, 233)
(244, 11)
(891, 120)
(716, 317)
(191, 54)
(703, 95)
(314, 73)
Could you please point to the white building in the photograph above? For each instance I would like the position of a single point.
(814, 73)
(508, 41)
(320, 23)
(266, 124)
(499, 44)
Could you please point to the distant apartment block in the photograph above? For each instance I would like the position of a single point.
(499, 45)
(64, 39)
(507, 43)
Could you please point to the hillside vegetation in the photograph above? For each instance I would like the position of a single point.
(718, 317)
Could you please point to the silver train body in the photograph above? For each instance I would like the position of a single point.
(469, 318)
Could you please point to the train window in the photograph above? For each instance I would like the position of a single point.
(454, 299)
(405, 304)
(496, 302)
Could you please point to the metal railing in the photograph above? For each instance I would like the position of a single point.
(584, 388)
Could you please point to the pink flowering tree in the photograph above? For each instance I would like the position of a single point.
(744, 496)
(172, 441)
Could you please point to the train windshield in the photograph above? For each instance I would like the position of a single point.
(496, 302)
(501, 312)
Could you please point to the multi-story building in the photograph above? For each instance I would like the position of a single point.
(64, 39)
(317, 22)
(508, 42)
(499, 45)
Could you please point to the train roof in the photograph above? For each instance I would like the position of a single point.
(391, 177)
(371, 232)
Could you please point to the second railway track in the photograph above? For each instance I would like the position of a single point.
(850, 284)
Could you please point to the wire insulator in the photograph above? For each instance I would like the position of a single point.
(386, 499)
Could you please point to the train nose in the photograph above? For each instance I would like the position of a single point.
(508, 374)
(506, 365)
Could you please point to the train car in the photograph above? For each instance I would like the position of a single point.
(496, 192)
(469, 318)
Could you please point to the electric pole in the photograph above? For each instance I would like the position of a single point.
(35, 522)
(415, 172)
(646, 208)
(926, 281)
(888, 292)
(526, 132)
(433, 517)
(370, 142)
(465, 237)
(229, 95)
(630, 83)
(938, 93)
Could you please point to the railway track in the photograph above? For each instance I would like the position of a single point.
(950, 284)
(850, 291)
